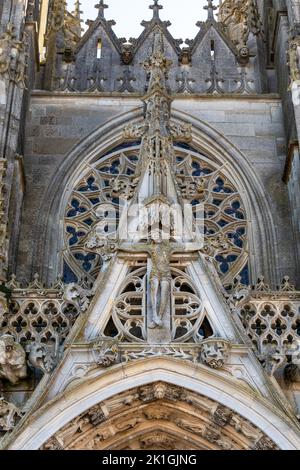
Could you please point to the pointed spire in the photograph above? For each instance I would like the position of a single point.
(77, 12)
(156, 7)
(210, 9)
(101, 7)
(157, 65)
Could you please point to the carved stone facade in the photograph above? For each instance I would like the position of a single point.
(159, 417)
(159, 181)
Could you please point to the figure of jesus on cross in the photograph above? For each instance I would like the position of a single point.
(160, 278)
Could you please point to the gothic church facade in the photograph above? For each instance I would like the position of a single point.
(150, 230)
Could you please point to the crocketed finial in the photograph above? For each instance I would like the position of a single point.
(77, 12)
(101, 7)
(156, 7)
(210, 9)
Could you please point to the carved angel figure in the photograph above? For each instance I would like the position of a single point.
(12, 360)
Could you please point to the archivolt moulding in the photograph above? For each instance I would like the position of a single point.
(207, 139)
(64, 408)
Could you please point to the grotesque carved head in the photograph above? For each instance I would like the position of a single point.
(12, 360)
(214, 353)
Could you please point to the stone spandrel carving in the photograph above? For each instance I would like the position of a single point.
(214, 352)
(9, 415)
(12, 360)
(106, 353)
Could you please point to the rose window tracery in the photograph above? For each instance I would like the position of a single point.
(100, 196)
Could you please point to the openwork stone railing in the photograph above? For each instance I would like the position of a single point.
(271, 318)
(36, 314)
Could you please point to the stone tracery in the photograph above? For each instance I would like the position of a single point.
(99, 197)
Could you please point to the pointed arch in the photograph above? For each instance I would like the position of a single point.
(206, 139)
(83, 395)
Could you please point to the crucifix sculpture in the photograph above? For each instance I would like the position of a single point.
(160, 252)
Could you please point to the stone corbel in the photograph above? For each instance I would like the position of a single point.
(214, 352)
(106, 353)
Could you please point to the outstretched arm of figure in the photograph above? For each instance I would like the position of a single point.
(136, 248)
(186, 247)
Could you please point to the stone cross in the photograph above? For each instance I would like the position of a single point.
(210, 9)
(101, 7)
(156, 7)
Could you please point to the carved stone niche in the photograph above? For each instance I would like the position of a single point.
(12, 360)
(214, 352)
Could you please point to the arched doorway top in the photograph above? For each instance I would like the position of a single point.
(219, 388)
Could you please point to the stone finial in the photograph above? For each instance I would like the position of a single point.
(77, 12)
(156, 7)
(210, 9)
(101, 6)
